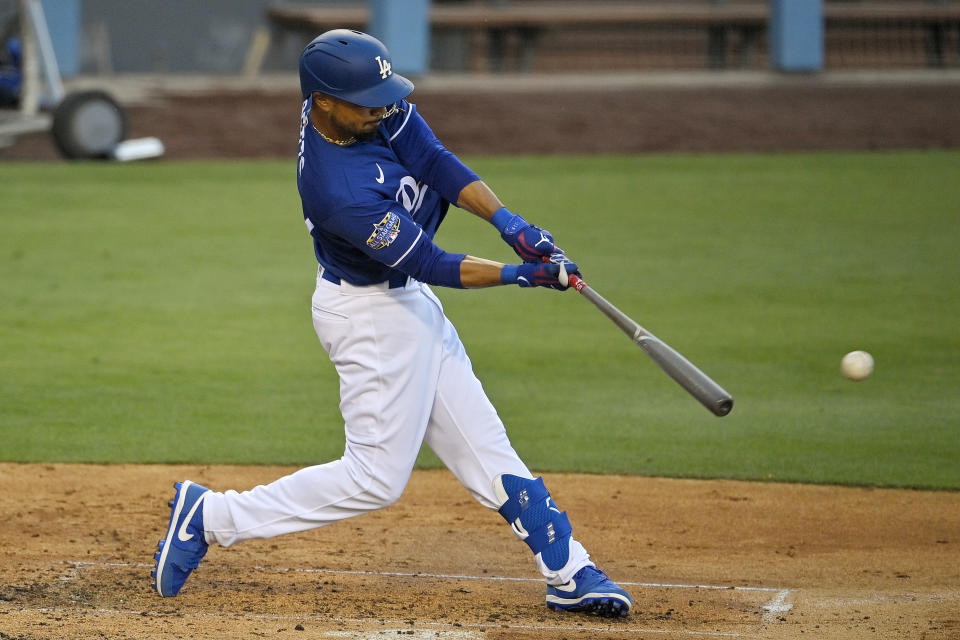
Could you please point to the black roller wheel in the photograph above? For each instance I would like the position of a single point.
(88, 124)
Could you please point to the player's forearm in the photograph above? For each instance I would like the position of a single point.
(479, 199)
(476, 273)
(429, 263)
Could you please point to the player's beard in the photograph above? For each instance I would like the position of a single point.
(345, 131)
(367, 136)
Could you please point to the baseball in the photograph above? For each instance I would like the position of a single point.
(857, 365)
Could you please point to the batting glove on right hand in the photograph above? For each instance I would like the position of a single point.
(531, 243)
(539, 274)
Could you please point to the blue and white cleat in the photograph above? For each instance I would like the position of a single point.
(590, 591)
(183, 548)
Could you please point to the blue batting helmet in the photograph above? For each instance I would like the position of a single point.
(352, 66)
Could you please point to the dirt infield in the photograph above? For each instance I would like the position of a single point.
(799, 116)
(702, 559)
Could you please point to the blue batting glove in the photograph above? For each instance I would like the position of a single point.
(538, 274)
(559, 257)
(531, 243)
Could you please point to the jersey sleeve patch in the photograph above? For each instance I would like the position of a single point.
(384, 232)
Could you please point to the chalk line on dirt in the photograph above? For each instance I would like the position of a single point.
(455, 576)
(880, 599)
(772, 609)
(407, 633)
(401, 624)
(777, 606)
(441, 576)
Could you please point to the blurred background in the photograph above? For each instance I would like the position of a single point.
(670, 74)
(543, 36)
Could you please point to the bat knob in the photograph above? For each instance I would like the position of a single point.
(723, 407)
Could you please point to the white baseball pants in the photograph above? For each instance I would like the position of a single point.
(405, 379)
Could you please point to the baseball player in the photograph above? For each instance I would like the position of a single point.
(375, 184)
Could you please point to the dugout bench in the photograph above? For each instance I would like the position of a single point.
(488, 28)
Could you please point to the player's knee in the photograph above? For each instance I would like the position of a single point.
(534, 517)
(379, 495)
(374, 490)
(379, 492)
(389, 495)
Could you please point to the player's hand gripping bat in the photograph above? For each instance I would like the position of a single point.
(685, 373)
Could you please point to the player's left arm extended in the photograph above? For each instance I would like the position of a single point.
(397, 241)
(425, 156)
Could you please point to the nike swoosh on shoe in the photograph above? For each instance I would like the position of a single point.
(182, 534)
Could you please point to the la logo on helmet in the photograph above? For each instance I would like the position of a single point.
(384, 67)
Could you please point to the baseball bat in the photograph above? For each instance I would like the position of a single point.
(685, 373)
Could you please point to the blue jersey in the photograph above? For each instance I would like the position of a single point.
(373, 207)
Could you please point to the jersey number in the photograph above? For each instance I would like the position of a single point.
(410, 194)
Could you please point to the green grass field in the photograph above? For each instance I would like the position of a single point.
(160, 313)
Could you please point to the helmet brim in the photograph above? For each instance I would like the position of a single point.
(383, 94)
